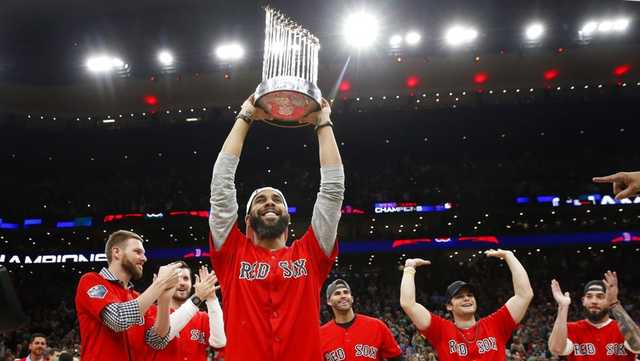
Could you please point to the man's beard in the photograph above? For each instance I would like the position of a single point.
(265, 231)
(133, 271)
(179, 298)
(595, 317)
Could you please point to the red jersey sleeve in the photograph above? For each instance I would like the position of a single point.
(93, 295)
(389, 346)
(434, 333)
(318, 259)
(502, 322)
(223, 260)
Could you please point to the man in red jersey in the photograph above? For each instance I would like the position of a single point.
(597, 337)
(193, 331)
(112, 315)
(270, 290)
(467, 338)
(37, 346)
(351, 336)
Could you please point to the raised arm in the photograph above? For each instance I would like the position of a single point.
(419, 315)
(205, 284)
(523, 293)
(627, 326)
(157, 337)
(120, 316)
(327, 209)
(559, 344)
(224, 205)
(625, 184)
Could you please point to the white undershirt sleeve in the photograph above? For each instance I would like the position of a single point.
(217, 337)
(180, 317)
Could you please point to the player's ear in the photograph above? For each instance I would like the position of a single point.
(115, 252)
(449, 307)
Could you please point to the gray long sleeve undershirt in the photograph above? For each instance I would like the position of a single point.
(224, 204)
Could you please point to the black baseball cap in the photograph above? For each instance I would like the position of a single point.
(455, 287)
(339, 283)
(595, 286)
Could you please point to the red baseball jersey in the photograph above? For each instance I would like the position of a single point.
(191, 344)
(271, 298)
(484, 341)
(97, 341)
(591, 343)
(367, 338)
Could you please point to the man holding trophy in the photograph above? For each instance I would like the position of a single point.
(271, 290)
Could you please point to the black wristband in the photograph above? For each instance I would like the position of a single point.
(196, 300)
(327, 124)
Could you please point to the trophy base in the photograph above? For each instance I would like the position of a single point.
(288, 99)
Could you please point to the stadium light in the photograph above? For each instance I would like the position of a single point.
(589, 28)
(230, 52)
(604, 26)
(412, 38)
(395, 41)
(458, 35)
(104, 63)
(165, 58)
(360, 30)
(534, 31)
(621, 24)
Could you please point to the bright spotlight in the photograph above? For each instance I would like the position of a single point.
(104, 63)
(621, 24)
(589, 28)
(165, 58)
(361, 30)
(412, 38)
(605, 26)
(395, 41)
(534, 31)
(230, 52)
(460, 35)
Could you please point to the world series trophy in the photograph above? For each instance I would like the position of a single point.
(288, 91)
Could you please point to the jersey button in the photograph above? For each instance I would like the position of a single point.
(274, 314)
(273, 257)
(277, 339)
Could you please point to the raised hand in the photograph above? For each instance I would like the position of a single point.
(205, 286)
(611, 282)
(416, 262)
(319, 117)
(625, 184)
(561, 299)
(168, 275)
(250, 110)
(499, 253)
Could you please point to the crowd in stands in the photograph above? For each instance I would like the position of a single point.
(48, 297)
(479, 160)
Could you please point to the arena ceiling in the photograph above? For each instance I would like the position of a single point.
(43, 44)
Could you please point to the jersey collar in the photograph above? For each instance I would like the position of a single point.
(600, 325)
(107, 275)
